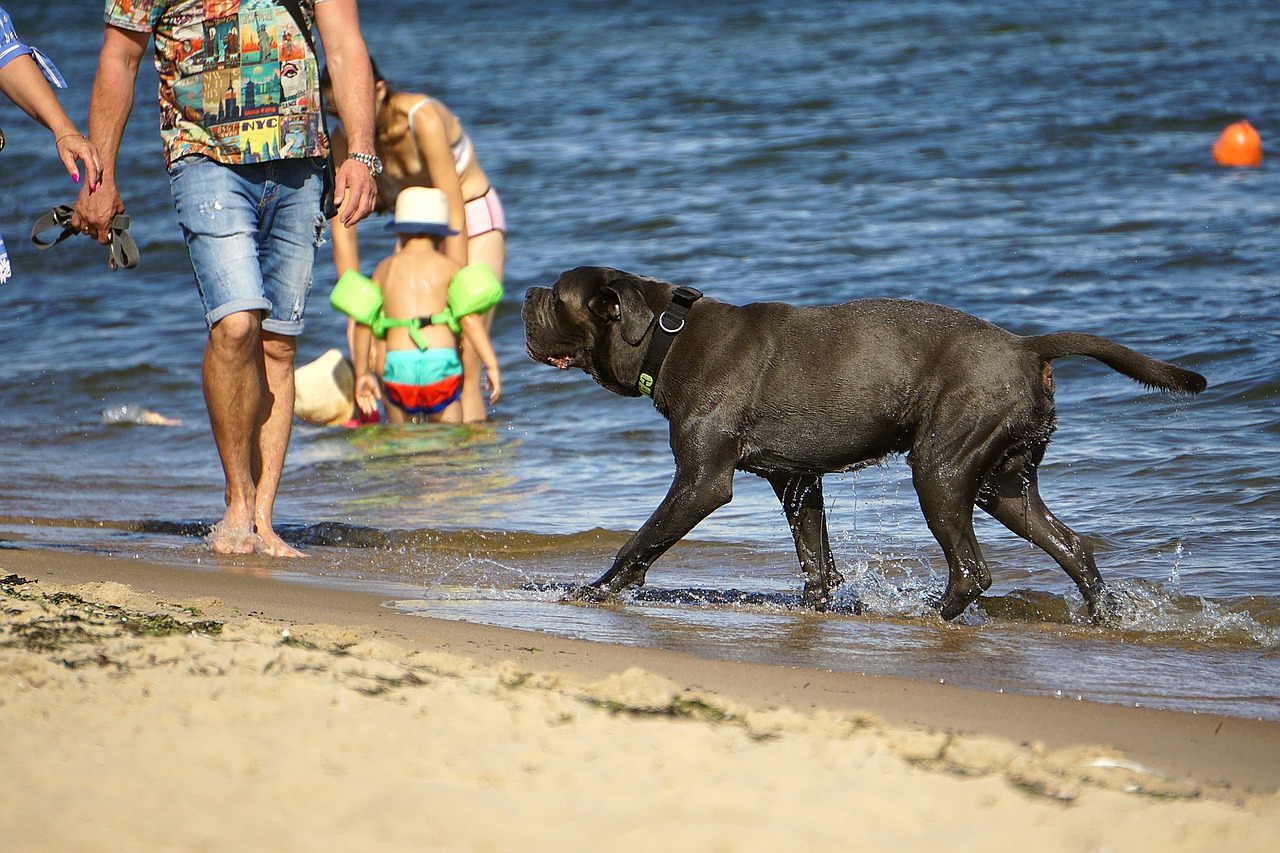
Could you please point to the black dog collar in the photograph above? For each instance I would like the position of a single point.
(669, 325)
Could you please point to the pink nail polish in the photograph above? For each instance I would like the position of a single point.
(75, 179)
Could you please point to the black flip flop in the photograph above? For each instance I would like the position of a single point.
(123, 250)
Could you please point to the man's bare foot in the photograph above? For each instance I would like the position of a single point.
(227, 538)
(269, 544)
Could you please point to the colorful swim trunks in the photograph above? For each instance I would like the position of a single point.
(422, 381)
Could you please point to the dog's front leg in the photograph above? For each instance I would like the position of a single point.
(703, 483)
(801, 498)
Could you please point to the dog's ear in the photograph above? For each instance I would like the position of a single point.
(624, 304)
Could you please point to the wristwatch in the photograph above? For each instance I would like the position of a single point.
(370, 160)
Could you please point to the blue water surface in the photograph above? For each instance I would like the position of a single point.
(1044, 165)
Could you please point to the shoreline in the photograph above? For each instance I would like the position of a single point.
(763, 733)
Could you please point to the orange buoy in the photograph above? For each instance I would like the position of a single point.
(1239, 145)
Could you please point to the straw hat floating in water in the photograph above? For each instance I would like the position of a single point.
(325, 390)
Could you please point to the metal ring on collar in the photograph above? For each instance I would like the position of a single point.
(663, 326)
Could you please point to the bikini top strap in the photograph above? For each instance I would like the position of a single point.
(412, 110)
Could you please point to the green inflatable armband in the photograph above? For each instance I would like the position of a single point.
(358, 297)
(473, 290)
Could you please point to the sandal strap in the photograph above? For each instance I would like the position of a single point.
(59, 217)
(122, 250)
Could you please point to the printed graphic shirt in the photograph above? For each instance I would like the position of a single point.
(238, 82)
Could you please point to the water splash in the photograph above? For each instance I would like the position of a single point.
(132, 413)
(1156, 613)
(885, 586)
(1175, 574)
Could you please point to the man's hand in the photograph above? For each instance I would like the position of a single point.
(95, 208)
(354, 191)
(109, 109)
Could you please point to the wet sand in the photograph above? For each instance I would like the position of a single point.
(148, 706)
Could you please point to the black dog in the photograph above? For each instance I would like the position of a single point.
(793, 393)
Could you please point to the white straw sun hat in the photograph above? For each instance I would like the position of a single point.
(422, 210)
(324, 390)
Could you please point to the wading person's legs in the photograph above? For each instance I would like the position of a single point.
(234, 384)
(489, 248)
(252, 234)
(273, 439)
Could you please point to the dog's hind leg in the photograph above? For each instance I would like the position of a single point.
(801, 497)
(948, 509)
(1014, 501)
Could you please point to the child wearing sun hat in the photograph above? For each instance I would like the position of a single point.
(419, 309)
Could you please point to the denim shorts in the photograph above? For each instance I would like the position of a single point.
(252, 232)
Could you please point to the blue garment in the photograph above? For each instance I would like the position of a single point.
(11, 47)
(252, 232)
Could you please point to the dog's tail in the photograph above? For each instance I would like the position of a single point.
(1135, 365)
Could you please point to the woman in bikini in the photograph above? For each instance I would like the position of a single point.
(422, 144)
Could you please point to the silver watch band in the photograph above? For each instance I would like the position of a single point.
(370, 160)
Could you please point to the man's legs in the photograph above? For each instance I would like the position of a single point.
(233, 387)
(273, 438)
(252, 233)
(248, 390)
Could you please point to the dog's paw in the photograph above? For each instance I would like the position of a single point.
(589, 594)
(1104, 607)
(950, 606)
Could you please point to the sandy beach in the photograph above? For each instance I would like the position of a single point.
(155, 707)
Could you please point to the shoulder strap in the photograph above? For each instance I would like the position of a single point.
(327, 206)
(413, 109)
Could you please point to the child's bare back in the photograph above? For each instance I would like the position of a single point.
(415, 283)
(420, 368)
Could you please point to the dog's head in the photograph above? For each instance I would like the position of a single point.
(597, 319)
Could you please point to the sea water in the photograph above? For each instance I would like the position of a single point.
(1044, 165)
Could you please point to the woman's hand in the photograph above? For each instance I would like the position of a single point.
(72, 147)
